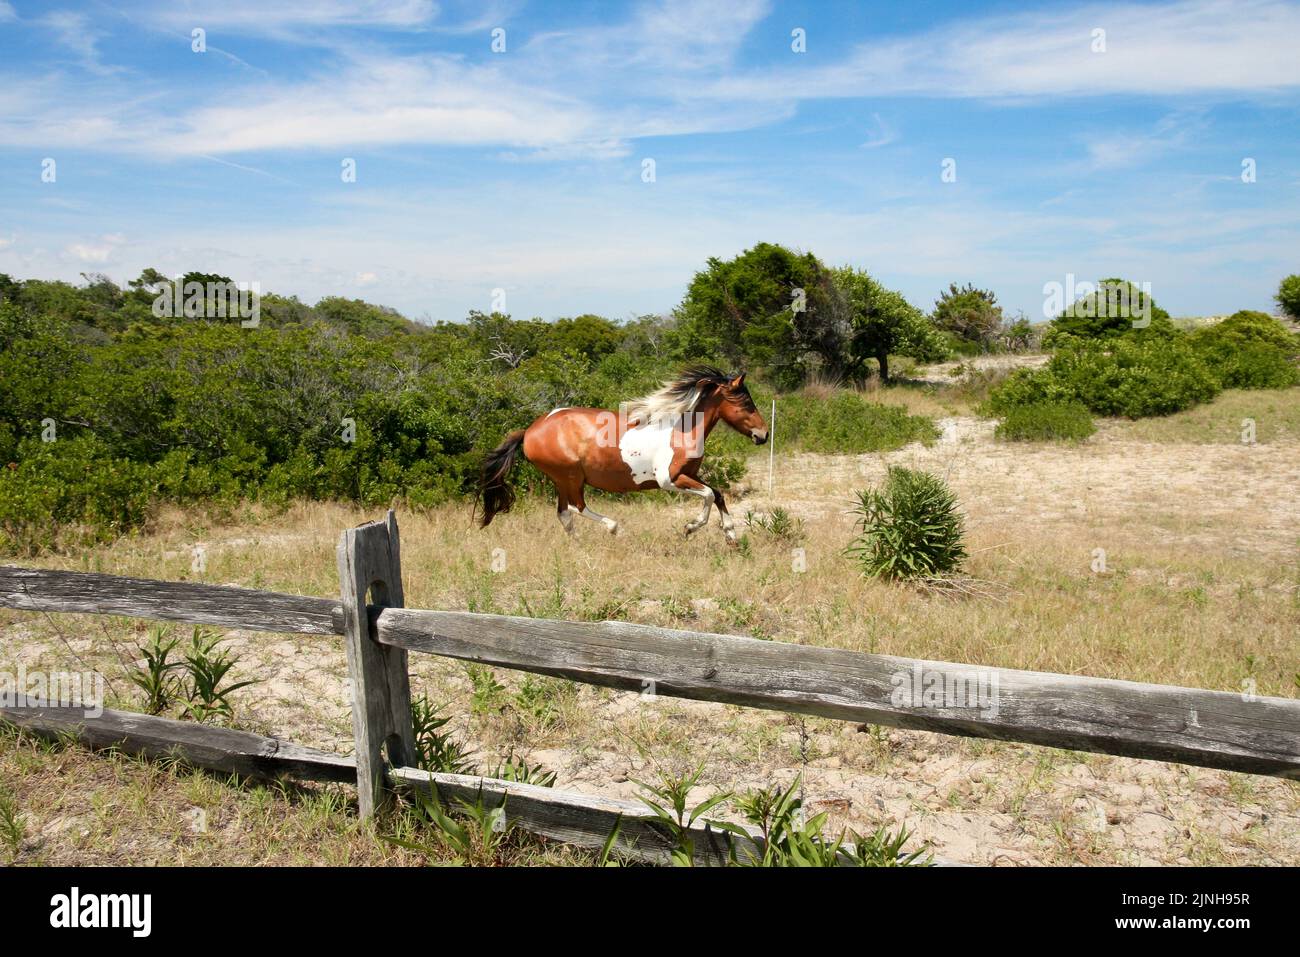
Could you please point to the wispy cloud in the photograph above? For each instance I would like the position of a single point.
(275, 19)
(1117, 149)
(882, 135)
(1194, 46)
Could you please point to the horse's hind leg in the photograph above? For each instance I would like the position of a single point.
(728, 526)
(580, 506)
(563, 513)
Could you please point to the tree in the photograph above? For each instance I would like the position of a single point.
(1288, 296)
(1111, 311)
(970, 314)
(768, 306)
(883, 323)
(588, 335)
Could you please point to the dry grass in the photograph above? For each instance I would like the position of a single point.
(1201, 587)
(78, 808)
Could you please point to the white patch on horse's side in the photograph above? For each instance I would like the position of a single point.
(560, 409)
(647, 450)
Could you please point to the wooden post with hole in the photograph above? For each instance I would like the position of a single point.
(370, 564)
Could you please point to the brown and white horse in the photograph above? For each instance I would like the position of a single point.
(656, 442)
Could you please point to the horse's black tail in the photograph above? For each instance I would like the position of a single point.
(495, 491)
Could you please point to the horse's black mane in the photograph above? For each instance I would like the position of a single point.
(682, 393)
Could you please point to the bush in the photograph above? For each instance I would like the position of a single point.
(971, 316)
(910, 527)
(1107, 313)
(1288, 296)
(1148, 373)
(847, 423)
(70, 482)
(722, 471)
(1249, 350)
(1046, 422)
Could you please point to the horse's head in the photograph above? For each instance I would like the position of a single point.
(738, 410)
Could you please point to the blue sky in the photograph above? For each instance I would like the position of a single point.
(522, 170)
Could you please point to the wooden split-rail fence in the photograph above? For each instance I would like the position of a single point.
(1214, 729)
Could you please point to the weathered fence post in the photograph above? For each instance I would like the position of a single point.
(370, 563)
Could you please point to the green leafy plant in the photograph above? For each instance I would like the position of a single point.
(516, 769)
(971, 315)
(207, 667)
(487, 695)
(1046, 422)
(540, 699)
(1144, 373)
(156, 677)
(788, 840)
(435, 748)
(475, 834)
(667, 801)
(778, 523)
(910, 527)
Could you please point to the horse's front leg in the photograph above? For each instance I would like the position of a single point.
(692, 486)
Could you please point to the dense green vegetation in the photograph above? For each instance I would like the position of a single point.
(112, 405)
(1046, 422)
(1110, 366)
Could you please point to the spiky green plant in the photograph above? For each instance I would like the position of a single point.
(156, 677)
(207, 666)
(667, 801)
(435, 748)
(910, 527)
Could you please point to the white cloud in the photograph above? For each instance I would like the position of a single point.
(1117, 148)
(258, 17)
(7, 12)
(668, 70)
(101, 251)
(1194, 46)
(882, 135)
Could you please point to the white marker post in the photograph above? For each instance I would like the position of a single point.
(771, 443)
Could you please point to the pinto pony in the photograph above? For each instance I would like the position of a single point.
(655, 442)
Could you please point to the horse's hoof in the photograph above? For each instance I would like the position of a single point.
(690, 529)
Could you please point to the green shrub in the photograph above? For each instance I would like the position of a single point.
(847, 423)
(1288, 296)
(1046, 422)
(70, 482)
(1142, 374)
(1107, 313)
(722, 470)
(910, 527)
(1249, 350)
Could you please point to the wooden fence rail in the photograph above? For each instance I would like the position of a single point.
(1238, 732)
(583, 820)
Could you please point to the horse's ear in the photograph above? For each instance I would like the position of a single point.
(738, 381)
